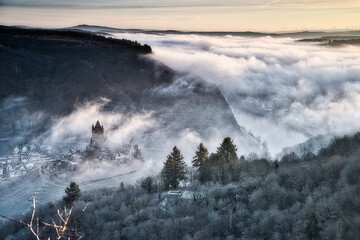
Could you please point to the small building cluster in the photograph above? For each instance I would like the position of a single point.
(62, 166)
(65, 166)
(23, 159)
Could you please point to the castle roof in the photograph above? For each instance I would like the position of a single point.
(97, 125)
(97, 129)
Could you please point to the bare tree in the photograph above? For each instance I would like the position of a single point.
(61, 228)
(30, 225)
(64, 219)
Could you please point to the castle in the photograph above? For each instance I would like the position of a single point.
(97, 135)
(98, 149)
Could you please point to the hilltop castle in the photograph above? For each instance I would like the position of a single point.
(98, 149)
(97, 135)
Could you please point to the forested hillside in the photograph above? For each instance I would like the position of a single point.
(299, 197)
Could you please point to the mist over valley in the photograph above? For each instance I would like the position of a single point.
(207, 135)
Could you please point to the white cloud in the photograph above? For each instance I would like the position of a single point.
(282, 90)
(76, 127)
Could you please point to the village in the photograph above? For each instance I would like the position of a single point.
(27, 158)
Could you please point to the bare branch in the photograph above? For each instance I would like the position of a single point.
(37, 226)
(61, 229)
(14, 220)
(28, 225)
(33, 212)
(58, 212)
(83, 210)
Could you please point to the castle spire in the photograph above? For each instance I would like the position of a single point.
(97, 133)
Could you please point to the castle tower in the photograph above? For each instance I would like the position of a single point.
(97, 134)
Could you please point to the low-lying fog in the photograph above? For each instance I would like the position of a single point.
(282, 90)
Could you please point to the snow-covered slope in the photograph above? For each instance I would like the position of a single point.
(312, 145)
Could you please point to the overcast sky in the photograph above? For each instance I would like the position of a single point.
(224, 15)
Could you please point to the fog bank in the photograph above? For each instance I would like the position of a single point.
(280, 89)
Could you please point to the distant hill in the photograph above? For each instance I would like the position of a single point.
(293, 34)
(312, 145)
(72, 36)
(335, 41)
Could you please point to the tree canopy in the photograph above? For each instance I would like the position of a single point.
(227, 150)
(201, 155)
(312, 229)
(72, 193)
(175, 169)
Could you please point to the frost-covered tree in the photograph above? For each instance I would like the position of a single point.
(205, 172)
(312, 230)
(201, 155)
(72, 193)
(151, 184)
(227, 150)
(174, 170)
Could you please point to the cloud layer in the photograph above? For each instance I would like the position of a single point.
(280, 89)
(74, 131)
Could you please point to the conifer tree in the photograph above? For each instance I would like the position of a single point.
(201, 155)
(174, 170)
(312, 229)
(205, 172)
(227, 150)
(72, 193)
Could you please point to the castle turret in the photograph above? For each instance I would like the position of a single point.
(97, 134)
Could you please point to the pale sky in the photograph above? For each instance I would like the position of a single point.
(195, 15)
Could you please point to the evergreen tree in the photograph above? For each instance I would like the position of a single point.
(227, 150)
(72, 193)
(312, 230)
(212, 168)
(201, 155)
(147, 184)
(206, 169)
(205, 173)
(122, 186)
(174, 170)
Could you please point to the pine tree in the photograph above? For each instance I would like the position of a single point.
(312, 229)
(147, 184)
(72, 193)
(201, 155)
(205, 172)
(174, 170)
(227, 150)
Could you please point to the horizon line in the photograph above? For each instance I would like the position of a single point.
(336, 30)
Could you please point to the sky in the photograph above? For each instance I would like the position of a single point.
(194, 15)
